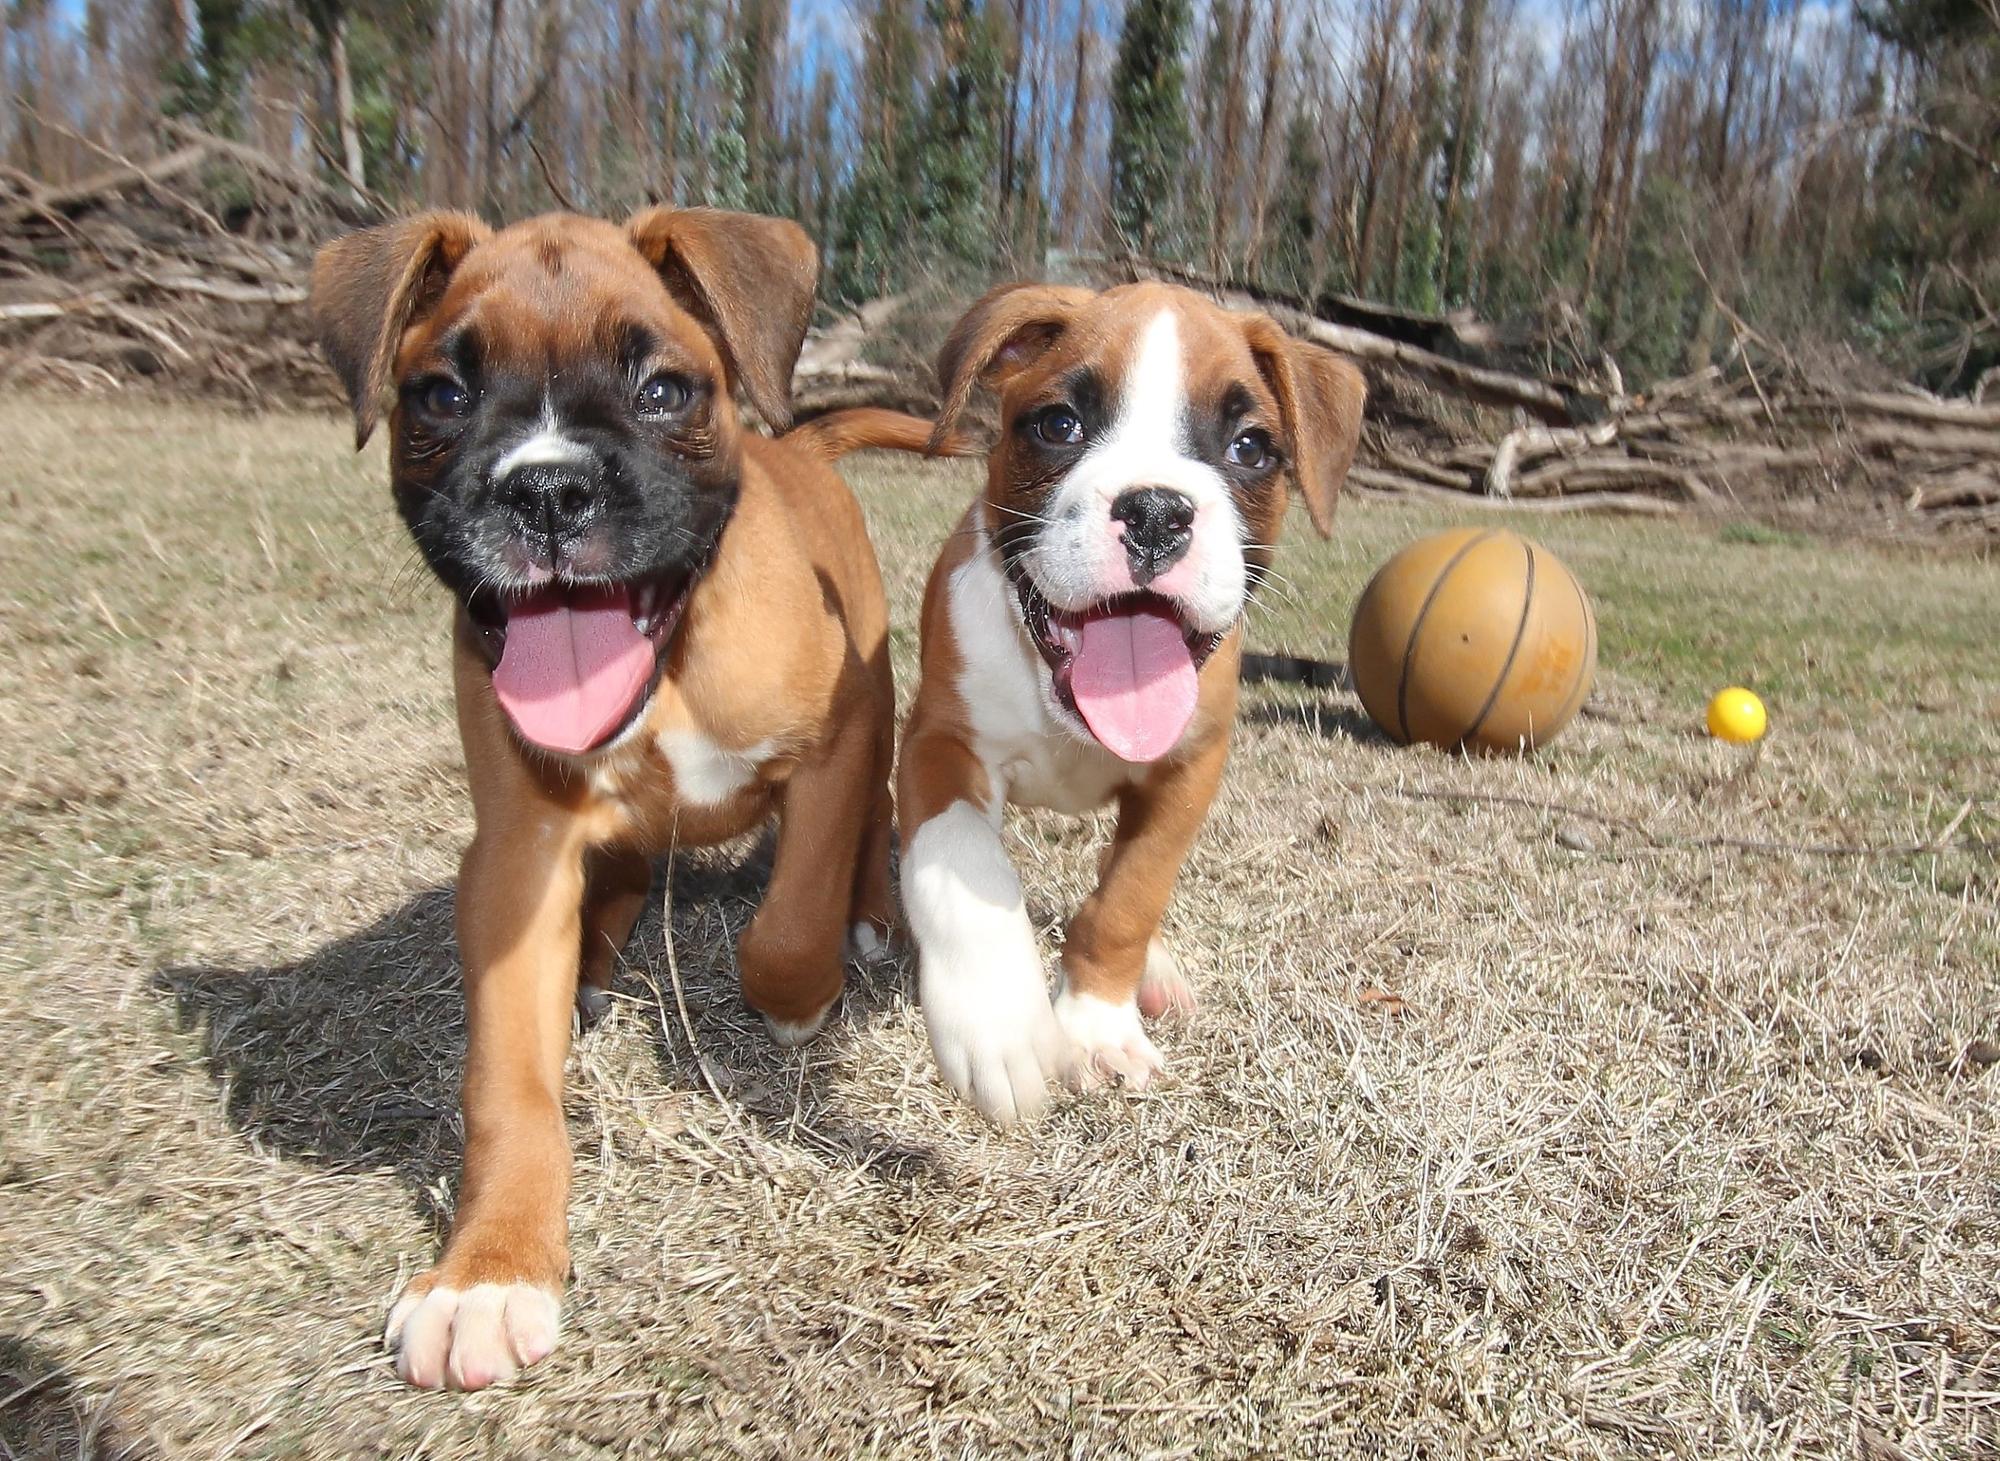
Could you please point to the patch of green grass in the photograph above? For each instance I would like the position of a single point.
(1761, 535)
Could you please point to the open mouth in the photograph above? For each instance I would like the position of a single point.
(574, 662)
(1128, 668)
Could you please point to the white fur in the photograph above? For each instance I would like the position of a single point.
(1110, 1041)
(707, 774)
(985, 998)
(468, 1340)
(1079, 558)
(547, 447)
(1163, 989)
(1032, 748)
(788, 1033)
(864, 944)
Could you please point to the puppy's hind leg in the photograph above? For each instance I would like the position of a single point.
(871, 918)
(789, 958)
(615, 885)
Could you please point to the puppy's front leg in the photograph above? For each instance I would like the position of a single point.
(1115, 934)
(985, 998)
(492, 1304)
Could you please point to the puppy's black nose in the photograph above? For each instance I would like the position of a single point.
(553, 501)
(1159, 525)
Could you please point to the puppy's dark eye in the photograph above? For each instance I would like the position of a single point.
(664, 394)
(443, 396)
(1251, 449)
(1059, 426)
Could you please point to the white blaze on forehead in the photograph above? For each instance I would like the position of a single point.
(1152, 407)
(547, 447)
(1142, 446)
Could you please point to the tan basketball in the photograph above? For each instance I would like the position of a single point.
(1473, 637)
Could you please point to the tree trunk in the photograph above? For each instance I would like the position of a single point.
(1467, 78)
(490, 162)
(1267, 134)
(668, 173)
(631, 47)
(1074, 203)
(343, 102)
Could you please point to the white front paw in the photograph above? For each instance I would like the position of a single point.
(1110, 1043)
(468, 1340)
(996, 1038)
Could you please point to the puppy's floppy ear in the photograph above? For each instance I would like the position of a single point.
(749, 280)
(1320, 396)
(368, 287)
(1000, 336)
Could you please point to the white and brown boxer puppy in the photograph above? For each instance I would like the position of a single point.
(1081, 634)
(667, 629)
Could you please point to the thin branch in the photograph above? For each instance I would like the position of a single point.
(549, 177)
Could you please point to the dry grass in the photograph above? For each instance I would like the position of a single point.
(1654, 1150)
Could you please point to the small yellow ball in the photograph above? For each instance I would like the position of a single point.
(1736, 716)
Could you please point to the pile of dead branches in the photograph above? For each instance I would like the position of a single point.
(1721, 438)
(1758, 430)
(189, 270)
(188, 267)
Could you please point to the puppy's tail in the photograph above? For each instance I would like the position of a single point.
(861, 428)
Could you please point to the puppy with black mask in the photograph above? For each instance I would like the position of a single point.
(667, 629)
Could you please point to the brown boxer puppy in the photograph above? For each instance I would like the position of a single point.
(1081, 634)
(667, 630)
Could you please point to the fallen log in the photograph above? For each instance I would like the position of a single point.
(1593, 474)
(50, 201)
(1539, 441)
(1969, 487)
(1371, 482)
(228, 290)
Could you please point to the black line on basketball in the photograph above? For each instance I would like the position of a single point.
(1520, 632)
(1416, 629)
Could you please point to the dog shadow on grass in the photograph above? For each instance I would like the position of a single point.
(1321, 716)
(44, 1412)
(351, 1056)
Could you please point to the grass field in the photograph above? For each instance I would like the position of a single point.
(1539, 1125)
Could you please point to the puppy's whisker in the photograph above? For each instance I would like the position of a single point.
(1270, 603)
(1275, 580)
(1024, 514)
(1267, 586)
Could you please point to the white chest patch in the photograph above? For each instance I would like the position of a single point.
(1036, 759)
(706, 774)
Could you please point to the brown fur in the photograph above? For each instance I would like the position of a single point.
(784, 644)
(866, 428)
(1020, 341)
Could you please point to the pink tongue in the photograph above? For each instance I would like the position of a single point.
(1134, 682)
(572, 666)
